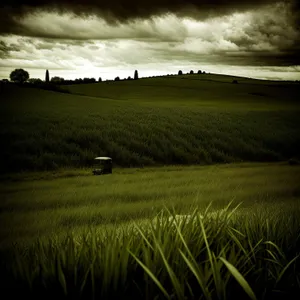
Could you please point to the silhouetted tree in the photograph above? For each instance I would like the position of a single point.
(57, 79)
(191, 72)
(35, 80)
(129, 78)
(47, 78)
(117, 78)
(136, 75)
(19, 76)
(199, 72)
(99, 79)
(179, 72)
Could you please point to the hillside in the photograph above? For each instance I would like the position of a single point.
(153, 121)
(199, 90)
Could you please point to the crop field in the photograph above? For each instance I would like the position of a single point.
(153, 121)
(202, 202)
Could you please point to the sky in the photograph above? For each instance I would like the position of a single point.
(100, 38)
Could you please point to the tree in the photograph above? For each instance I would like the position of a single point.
(191, 72)
(19, 76)
(100, 79)
(129, 78)
(179, 72)
(47, 78)
(117, 78)
(199, 72)
(136, 75)
(35, 80)
(57, 79)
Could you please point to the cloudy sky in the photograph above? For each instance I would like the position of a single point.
(109, 38)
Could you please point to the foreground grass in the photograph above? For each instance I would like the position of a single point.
(252, 254)
(88, 237)
(156, 121)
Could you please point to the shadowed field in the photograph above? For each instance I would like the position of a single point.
(209, 208)
(153, 121)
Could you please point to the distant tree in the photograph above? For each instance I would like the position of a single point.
(47, 78)
(5, 80)
(57, 79)
(136, 75)
(179, 72)
(129, 78)
(68, 81)
(117, 78)
(78, 80)
(35, 80)
(92, 80)
(99, 79)
(203, 72)
(19, 76)
(199, 72)
(191, 72)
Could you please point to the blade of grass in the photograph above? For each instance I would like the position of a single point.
(192, 264)
(240, 279)
(285, 268)
(174, 279)
(152, 276)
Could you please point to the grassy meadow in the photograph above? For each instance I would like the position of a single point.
(195, 148)
(152, 121)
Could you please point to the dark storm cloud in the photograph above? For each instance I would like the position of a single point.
(238, 59)
(115, 11)
(5, 49)
(265, 33)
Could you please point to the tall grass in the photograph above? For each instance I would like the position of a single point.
(237, 254)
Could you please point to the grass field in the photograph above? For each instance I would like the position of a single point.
(190, 142)
(46, 205)
(43, 208)
(153, 121)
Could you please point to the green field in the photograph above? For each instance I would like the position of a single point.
(42, 208)
(152, 121)
(179, 144)
(50, 205)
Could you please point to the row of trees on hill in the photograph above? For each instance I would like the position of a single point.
(191, 72)
(22, 76)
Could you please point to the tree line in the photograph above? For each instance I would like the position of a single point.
(21, 76)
